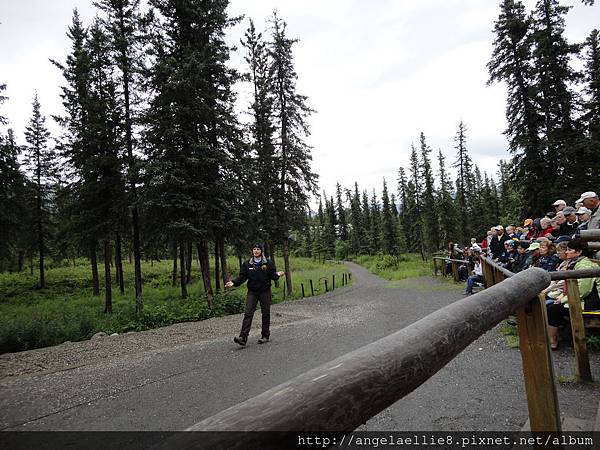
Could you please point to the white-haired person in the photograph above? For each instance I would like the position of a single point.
(591, 201)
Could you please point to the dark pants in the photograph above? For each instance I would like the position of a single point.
(252, 300)
(556, 312)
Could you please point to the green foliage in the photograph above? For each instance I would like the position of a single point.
(395, 267)
(67, 311)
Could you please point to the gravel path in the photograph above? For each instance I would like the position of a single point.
(173, 377)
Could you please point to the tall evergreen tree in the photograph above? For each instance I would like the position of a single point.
(590, 144)
(193, 134)
(431, 230)
(41, 162)
(341, 214)
(448, 220)
(367, 246)
(13, 201)
(388, 230)
(123, 25)
(554, 77)
(464, 182)
(262, 130)
(375, 231)
(297, 181)
(512, 62)
(414, 212)
(358, 239)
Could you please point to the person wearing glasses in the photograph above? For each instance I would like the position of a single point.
(588, 289)
(258, 271)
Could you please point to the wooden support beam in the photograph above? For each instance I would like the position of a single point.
(582, 361)
(538, 371)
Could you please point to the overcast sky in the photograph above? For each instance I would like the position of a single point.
(377, 73)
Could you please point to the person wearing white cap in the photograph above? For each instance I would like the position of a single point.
(590, 201)
(559, 205)
(583, 217)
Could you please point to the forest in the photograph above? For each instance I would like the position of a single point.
(153, 162)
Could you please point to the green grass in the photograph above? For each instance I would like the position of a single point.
(67, 311)
(395, 268)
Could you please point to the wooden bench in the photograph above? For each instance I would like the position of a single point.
(591, 319)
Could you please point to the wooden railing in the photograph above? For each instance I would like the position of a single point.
(346, 392)
(493, 274)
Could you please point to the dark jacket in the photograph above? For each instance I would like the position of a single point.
(259, 275)
(549, 263)
(497, 245)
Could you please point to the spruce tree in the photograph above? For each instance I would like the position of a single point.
(554, 77)
(388, 230)
(367, 247)
(40, 161)
(415, 211)
(297, 181)
(464, 183)
(375, 231)
(512, 62)
(13, 201)
(431, 232)
(448, 220)
(123, 26)
(358, 240)
(590, 144)
(264, 177)
(341, 214)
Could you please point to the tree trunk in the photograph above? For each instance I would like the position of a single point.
(267, 251)
(20, 261)
(119, 264)
(217, 267)
(272, 258)
(188, 261)
(224, 270)
(205, 269)
(174, 275)
(137, 257)
(41, 241)
(184, 292)
(107, 280)
(94, 261)
(286, 262)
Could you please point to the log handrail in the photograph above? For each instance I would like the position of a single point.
(344, 393)
(582, 363)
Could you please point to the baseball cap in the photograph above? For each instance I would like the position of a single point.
(559, 202)
(533, 246)
(588, 194)
(527, 222)
(583, 210)
(569, 210)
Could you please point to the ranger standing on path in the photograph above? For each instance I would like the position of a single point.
(258, 271)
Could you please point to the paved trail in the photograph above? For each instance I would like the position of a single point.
(175, 386)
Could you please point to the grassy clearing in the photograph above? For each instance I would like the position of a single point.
(67, 311)
(395, 268)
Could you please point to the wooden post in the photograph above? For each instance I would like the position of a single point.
(350, 276)
(455, 271)
(333, 282)
(326, 285)
(284, 290)
(312, 291)
(302, 286)
(434, 263)
(582, 360)
(444, 267)
(542, 402)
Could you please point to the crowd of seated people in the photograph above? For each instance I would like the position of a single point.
(550, 243)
